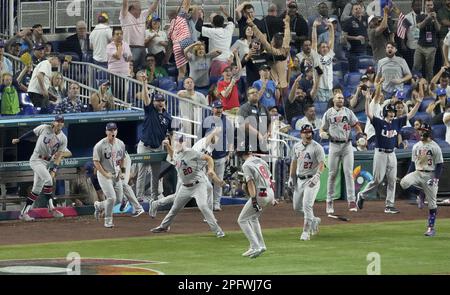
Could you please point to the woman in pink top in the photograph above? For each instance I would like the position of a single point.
(119, 53)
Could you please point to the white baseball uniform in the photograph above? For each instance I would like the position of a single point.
(127, 190)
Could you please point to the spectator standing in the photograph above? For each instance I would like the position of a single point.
(199, 62)
(413, 33)
(38, 53)
(323, 17)
(299, 99)
(254, 59)
(347, 12)
(379, 34)
(267, 90)
(358, 100)
(37, 36)
(307, 58)
(102, 100)
(99, 39)
(443, 76)
(426, 49)
(40, 81)
(152, 70)
(132, 19)
(355, 32)
(244, 11)
(72, 103)
(118, 53)
(338, 41)
(272, 23)
(24, 38)
(78, 43)
(156, 40)
(5, 63)
(446, 120)
(394, 70)
(9, 95)
(189, 111)
(228, 91)
(298, 25)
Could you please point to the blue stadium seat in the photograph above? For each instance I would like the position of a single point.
(408, 90)
(202, 90)
(406, 132)
(172, 70)
(411, 143)
(352, 79)
(321, 107)
(442, 143)
(425, 117)
(167, 84)
(294, 120)
(341, 66)
(439, 131)
(364, 62)
(295, 133)
(24, 99)
(337, 80)
(361, 116)
(425, 103)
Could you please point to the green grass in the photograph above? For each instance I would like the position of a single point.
(338, 249)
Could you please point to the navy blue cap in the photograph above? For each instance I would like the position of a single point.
(39, 46)
(400, 94)
(59, 118)
(104, 81)
(441, 91)
(111, 125)
(217, 104)
(159, 97)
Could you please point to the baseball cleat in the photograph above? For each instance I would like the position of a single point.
(391, 210)
(56, 213)
(217, 208)
(248, 252)
(352, 207)
(97, 210)
(256, 253)
(152, 209)
(421, 200)
(109, 224)
(305, 236)
(123, 205)
(359, 201)
(138, 212)
(315, 226)
(330, 207)
(26, 217)
(430, 232)
(220, 234)
(159, 229)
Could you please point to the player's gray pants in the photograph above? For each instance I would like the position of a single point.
(384, 164)
(419, 179)
(41, 175)
(113, 190)
(303, 200)
(344, 152)
(183, 196)
(249, 221)
(219, 168)
(155, 168)
(129, 193)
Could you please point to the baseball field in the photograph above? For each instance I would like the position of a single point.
(387, 244)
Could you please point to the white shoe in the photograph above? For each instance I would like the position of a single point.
(248, 252)
(26, 217)
(109, 224)
(56, 213)
(305, 236)
(330, 207)
(256, 253)
(97, 210)
(138, 212)
(315, 226)
(220, 234)
(152, 209)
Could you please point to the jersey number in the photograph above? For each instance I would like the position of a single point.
(307, 165)
(347, 127)
(187, 171)
(430, 162)
(266, 176)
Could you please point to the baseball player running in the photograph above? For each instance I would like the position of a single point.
(108, 157)
(384, 159)
(337, 123)
(128, 191)
(307, 164)
(260, 189)
(423, 174)
(50, 145)
(189, 165)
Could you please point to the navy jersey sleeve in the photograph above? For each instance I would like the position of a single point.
(377, 123)
(402, 121)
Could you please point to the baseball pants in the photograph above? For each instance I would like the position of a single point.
(419, 179)
(113, 190)
(155, 168)
(219, 168)
(249, 221)
(183, 196)
(338, 152)
(127, 190)
(303, 200)
(41, 175)
(384, 165)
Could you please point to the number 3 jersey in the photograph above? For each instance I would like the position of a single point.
(48, 142)
(256, 169)
(109, 155)
(308, 157)
(426, 155)
(189, 165)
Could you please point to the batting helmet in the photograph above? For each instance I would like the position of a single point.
(306, 128)
(426, 128)
(389, 108)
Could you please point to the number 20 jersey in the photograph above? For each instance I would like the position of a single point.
(189, 166)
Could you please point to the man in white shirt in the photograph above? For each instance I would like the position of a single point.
(40, 81)
(445, 50)
(219, 39)
(99, 38)
(412, 36)
(188, 110)
(446, 120)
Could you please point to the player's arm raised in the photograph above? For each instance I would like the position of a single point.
(414, 110)
(367, 107)
(211, 173)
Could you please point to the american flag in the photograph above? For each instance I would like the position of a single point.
(402, 26)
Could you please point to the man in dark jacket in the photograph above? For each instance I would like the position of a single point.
(78, 43)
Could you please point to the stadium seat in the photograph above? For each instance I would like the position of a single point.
(167, 83)
(425, 117)
(341, 66)
(321, 108)
(172, 70)
(336, 80)
(425, 103)
(295, 133)
(439, 131)
(408, 90)
(406, 132)
(442, 143)
(364, 62)
(411, 143)
(361, 116)
(352, 79)
(294, 120)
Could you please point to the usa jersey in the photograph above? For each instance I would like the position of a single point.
(109, 155)
(386, 134)
(48, 142)
(426, 155)
(339, 123)
(189, 166)
(308, 157)
(256, 169)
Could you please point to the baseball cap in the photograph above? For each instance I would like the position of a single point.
(111, 125)
(332, 19)
(38, 46)
(59, 118)
(104, 81)
(347, 93)
(364, 77)
(159, 97)
(156, 18)
(441, 91)
(372, 17)
(400, 94)
(217, 104)
(264, 67)
(292, 4)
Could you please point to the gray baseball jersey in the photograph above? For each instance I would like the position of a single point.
(308, 157)
(426, 155)
(109, 155)
(189, 166)
(339, 123)
(201, 147)
(256, 169)
(48, 142)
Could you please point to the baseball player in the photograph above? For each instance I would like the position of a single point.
(423, 174)
(108, 157)
(189, 164)
(308, 162)
(337, 123)
(384, 159)
(259, 187)
(50, 145)
(128, 191)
